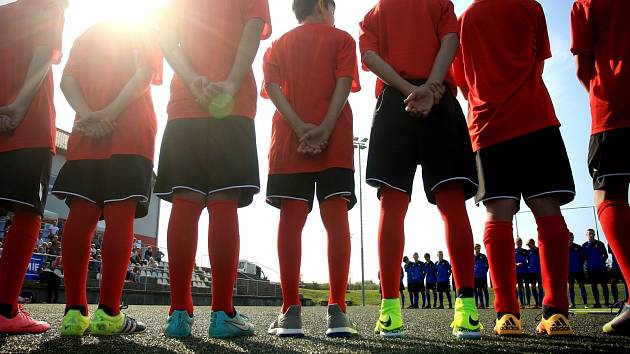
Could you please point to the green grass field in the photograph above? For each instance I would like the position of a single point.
(372, 297)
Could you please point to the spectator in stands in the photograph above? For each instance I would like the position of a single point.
(135, 256)
(96, 261)
(137, 243)
(55, 246)
(148, 253)
(93, 250)
(158, 255)
(152, 263)
(57, 263)
(135, 274)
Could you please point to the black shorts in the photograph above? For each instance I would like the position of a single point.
(522, 278)
(119, 178)
(333, 182)
(532, 165)
(578, 277)
(608, 157)
(535, 278)
(402, 287)
(443, 286)
(209, 155)
(431, 286)
(24, 180)
(598, 276)
(439, 143)
(481, 282)
(415, 287)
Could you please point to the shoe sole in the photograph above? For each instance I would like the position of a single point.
(341, 332)
(391, 334)
(287, 332)
(468, 335)
(544, 331)
(507, 333)
(32, 331)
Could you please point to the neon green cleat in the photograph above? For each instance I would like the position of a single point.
(105, 325)
(466, 323)
(390, 322)
(74, 323)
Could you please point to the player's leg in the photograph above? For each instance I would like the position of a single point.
(605, 291)
(75, 251)
(498, 241)
(441, 298)
(528, 290)
(521, 289)
(582, 284)
(613, 289)
(23, 189)
(593, 279)
(334, 214)
(450, 299)
(532, 285)
(486, 294)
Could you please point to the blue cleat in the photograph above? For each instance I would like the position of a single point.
(224, 326)
(178, 325)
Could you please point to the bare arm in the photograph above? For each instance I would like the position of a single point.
(319, 135)
(585, 70)
(170, 44)
(444, 58)
(74, 95)
(245, 55)
(286, 110)
(385, 72)
(134, 89)
(37, 70)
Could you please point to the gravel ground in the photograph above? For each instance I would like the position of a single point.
(427, 331)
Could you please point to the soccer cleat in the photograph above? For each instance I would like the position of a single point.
(508, 325)
(339, 325)
(466, 323)
(74, 323)
(22, 322)
(288, 324)
(106, 325)
(224, 326)
(621, 323)
(390, 322)
(178, 325)
(556, 325)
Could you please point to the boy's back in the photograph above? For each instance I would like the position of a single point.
(503, 46)
(307, 62)
(407, 33)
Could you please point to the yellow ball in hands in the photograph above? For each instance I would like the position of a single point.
(221, 105)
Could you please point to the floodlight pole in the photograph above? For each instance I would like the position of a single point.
(360, 144)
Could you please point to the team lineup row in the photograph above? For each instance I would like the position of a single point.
(509, 148)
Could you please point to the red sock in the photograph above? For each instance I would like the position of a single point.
(18, 247)
(223, 247)
(334, 212)
(451, 203)
(391, 239)
(117, 244)
(614, 215)
(293, 215)
(553, 238)
(182, 246)
(75, 250)
(499, 244)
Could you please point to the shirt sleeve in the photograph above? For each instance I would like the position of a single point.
(542, 45)
(257, 9)
(271, 69)
(368, 34)
(46, 21)
(582, 33)
(448, 20)
(347, 63)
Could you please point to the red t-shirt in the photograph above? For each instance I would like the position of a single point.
(307, 62)
(103, 60)
(504, 44)
(600, 30)
(210, 32)
(407, 35)
(27, 25)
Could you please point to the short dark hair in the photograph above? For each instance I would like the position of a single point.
(305, 8)
(477, 245)
(427, 255)
(591, 230)
(405, 259)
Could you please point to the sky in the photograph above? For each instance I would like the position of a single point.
(423, 226)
